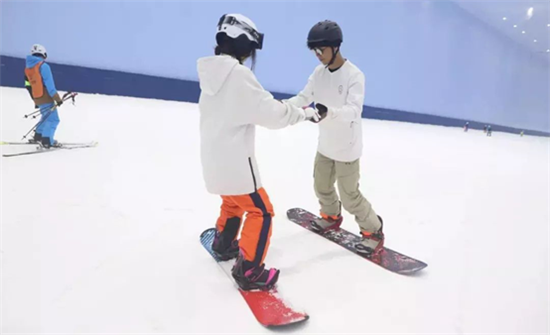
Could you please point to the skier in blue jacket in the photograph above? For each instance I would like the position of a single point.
(39, 81)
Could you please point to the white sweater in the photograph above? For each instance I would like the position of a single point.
(231, 103)
(343, 92)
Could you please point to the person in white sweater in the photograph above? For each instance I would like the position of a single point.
(339, 85)
(232, 103)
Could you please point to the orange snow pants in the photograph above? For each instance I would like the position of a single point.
(256, 230)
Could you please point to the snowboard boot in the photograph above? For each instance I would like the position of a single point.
(223, 248)
(251, 277)
(372, 243)
(226, 245)
(327, 222)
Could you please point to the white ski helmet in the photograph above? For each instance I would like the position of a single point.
(235, 25)
(39, 49)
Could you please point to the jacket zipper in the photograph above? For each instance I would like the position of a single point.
(253, 176)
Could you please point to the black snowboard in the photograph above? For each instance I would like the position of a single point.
(387, 258)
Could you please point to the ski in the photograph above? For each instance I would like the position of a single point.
(388, 259)
(269, 308)
(36, 143)
(40, 149)
(18, 143)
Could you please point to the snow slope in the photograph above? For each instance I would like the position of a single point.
(106, 240)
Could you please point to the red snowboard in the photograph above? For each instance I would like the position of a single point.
(269, 308)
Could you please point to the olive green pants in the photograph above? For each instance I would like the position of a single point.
(326, 173)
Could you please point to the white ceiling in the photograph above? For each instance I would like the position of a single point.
(516, 13)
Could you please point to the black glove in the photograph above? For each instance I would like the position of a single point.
(59, 103)
(323, 110)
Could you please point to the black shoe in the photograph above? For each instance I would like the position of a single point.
(226, 245)
(45, 141)
(36, 139)
(251, 277)
(225, 250)
(47, 144)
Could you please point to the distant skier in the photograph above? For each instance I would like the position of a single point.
(466, 126)
(232, 102)
(489, 131)
(39, 81)
(339, 85)
(521, 134)
(485, 128)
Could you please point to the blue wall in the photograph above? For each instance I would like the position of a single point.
(428, 57)
(91, 80)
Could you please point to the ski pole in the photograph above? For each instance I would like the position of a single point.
(66, 96)
(33, 114)
(40, 122)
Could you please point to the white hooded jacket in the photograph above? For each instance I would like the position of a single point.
(231, 104)
(343, 93)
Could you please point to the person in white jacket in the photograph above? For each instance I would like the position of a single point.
(232, 102)
(339, 85)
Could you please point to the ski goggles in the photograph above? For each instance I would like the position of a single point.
(318, 51)
(257, 36)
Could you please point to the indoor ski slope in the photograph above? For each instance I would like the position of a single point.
(106, 240)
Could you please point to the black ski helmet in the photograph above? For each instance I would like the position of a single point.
(325, 34)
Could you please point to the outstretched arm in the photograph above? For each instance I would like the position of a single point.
(264, 110)
(305, 97)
